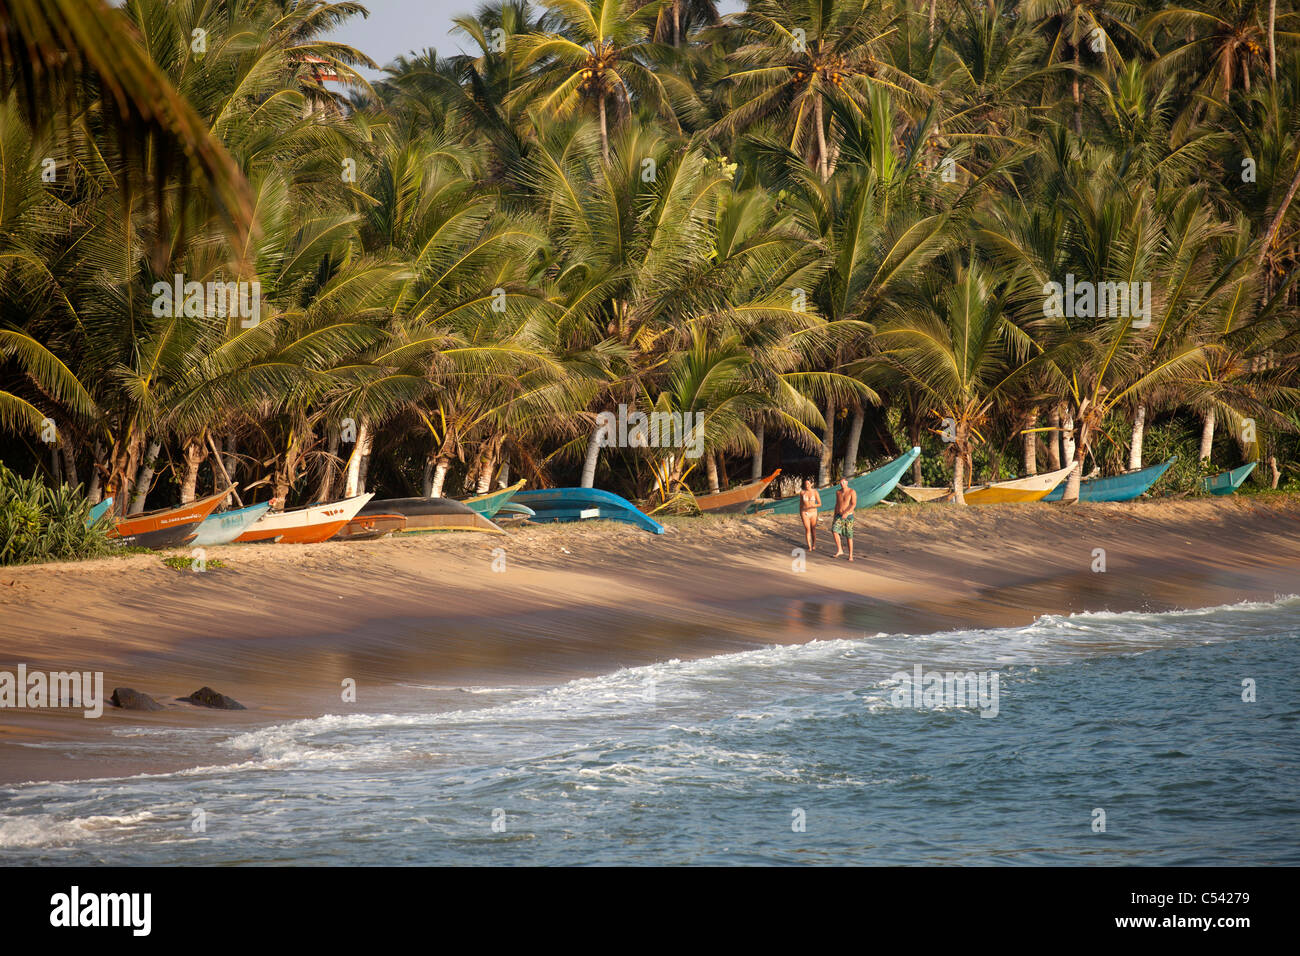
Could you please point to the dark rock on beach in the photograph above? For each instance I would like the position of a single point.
(129, 699)
(207, 697)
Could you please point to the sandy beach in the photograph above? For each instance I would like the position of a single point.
(280, 628)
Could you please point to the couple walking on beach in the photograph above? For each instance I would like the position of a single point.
(846, 503)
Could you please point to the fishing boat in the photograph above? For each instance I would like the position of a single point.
(925, 492)
(167, 527)
(1227, 482)
(580, 504)
(98, 511)
(432, 514)
(489, 504)
(225, 526)
(368, 527)
(512, 512)
(737, 500)
(1015, 491)
(871, 488)
(305, 525)
(1118, 487)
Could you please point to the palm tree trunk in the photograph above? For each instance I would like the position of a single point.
(96, 492)
(69, 453)
(325, 489)
(914, 433)
(1030, 441)
(823, 168)
(1054, 441)
(1139, 432)
(677, 22)
(855, 438)
(56, 466)
(933, 5)
(593, 456)
(756, 464)
(219, 468)
(359, 451)
(1078, 96)
(439, 477)
(604, 145)
(1276, 224)
(828, 446)
(711, 468)
(1272, 50)
(485, 476)
(146, 477)
(1076, 473)
(1068, 443)
(229, 459)
(1207, 435)
(190, 478)
(959, 477)
(1275, 472)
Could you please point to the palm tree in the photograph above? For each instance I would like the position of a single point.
(600, 58)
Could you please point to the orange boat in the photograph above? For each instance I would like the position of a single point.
(169, 527)
(737, 499)
(306, 525)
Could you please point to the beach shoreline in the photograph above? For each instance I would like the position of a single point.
(282, 628)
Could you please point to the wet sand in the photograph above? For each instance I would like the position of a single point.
(281, 627)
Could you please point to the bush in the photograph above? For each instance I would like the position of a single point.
(39, 523)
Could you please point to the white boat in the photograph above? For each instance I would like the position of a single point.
(306, 525)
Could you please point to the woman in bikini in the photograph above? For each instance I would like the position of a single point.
(809, 502)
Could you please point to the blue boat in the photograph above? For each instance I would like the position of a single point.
(871, 487)
(1225, 483)
(1117, 487)
(579, 504)
(228, 525)
(98, 511)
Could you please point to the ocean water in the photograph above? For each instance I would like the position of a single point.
(786, 755)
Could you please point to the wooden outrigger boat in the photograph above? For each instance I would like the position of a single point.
(1015, 491)
(168, 527)
(368, 527)
(1117, 487)
(580, 504)
(432, 514)
(305, 525)
(489, 504)
(871, 487)
(225, 526)
(1227, 482)
(739, 499)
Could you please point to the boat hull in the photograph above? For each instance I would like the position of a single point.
(581, 504)
(489, 504)
(1017, 490)
(226, 526)
(305, 525)
(432, 514)
(168, 528)
(369, 527)
(98, 511)
(924, 493)
(1227, 482)
(1116, 488)
(871, 488)
(737, 499)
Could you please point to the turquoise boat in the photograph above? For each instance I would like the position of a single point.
(871, 487)
(98, 511)
(1229, 481)
(225, 527)
(513, 511)
(489, 504)
(579, 504)
(1117, 487)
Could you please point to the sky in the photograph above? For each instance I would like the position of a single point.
(395, 27)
